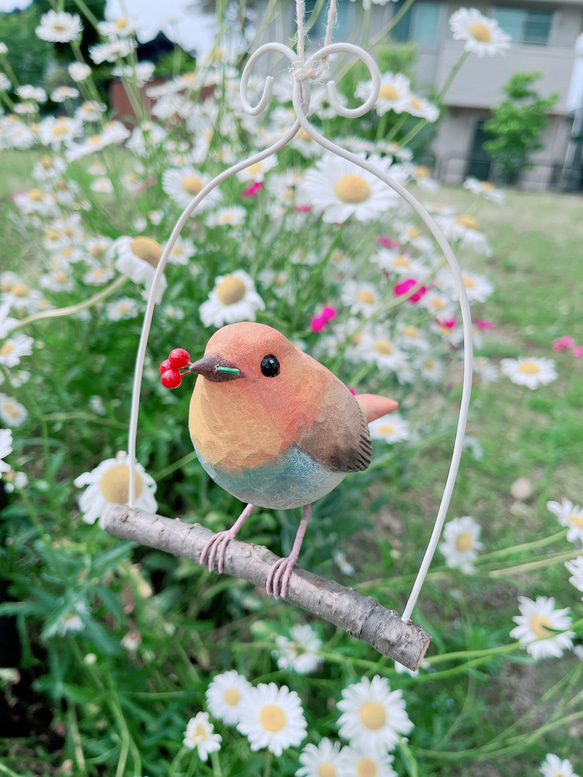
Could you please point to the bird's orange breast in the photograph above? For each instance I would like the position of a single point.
(249, 422)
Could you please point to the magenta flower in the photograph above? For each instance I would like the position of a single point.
(303, 208)
(563, 343)
(483, 324)
(578, 350)
(329, 313)
(404, 286)
(252, 190)
(387, 242)
(447, 323)
(318, 323)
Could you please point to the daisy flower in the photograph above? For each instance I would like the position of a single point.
(553, 766)
(532, 372)
(59, 27)
(225, 695)
(481, 35)
(79, 71)
(234, 298)
(272, 717)
(461, 543)
(362, 298)
(119, 28)
(257, 171)
(478, 287)
(14, 349)
(423, 109)
(465, 228)
(299, 653)
(391, 428)
(183, 250)
(112, 50)
(537, 622)
(122, 308)
(108, 484)
(574, 567)
(485, 369)
(101, 185)
(569, 515)
(341, 189)
(183, 184)
(200, 735)
(323, 760)
(373, 716)
(14, 480)
(62, 93)
(138, 258)
(431, 369)
(486, 189)
(71, 621)
(12, 413)
(393, 94)
(5, 449)
(231, 217)
(377, 347)
(359, 761)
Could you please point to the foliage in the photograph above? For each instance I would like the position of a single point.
(517, 124)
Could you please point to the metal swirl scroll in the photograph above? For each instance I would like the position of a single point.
(302, 72)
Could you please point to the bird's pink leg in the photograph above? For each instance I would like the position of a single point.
(280, 573)
(219, 541)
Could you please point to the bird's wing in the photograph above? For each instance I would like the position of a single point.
(338, 439)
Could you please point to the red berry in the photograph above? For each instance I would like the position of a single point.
(179, 358)
(166, 365)
(171, 379)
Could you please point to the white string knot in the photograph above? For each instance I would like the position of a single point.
(299, 70)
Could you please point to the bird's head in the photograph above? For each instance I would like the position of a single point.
(258, 356)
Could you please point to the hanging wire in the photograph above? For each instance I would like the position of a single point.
(302, 72)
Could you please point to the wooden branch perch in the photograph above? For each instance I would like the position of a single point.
(361, 616)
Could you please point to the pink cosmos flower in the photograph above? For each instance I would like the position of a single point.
(387, 242)
(329, 313)
(303, 208)
(447, 323)
(563, 343)
(483, 324)
(252, 190)
(578, 350)
(404, 286)
(319, 321)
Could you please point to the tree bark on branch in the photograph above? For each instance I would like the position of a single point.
(360, 616)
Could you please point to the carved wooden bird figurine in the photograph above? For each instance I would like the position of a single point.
(276, 429)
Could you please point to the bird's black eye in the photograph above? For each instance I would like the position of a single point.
(270, 366)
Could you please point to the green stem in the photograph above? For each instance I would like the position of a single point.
(76, 737)
(545, 562)
(163, 473)
(268, 761)
(88, 13)
(79, 416)
(216, 764)
(525, 546)
(439, 99)
(194, 761)
(7, 771)
(71, 309)
(396, 126)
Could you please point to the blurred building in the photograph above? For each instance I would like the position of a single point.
(544, 36)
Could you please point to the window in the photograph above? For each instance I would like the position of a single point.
(419, 24)
(342, 28)
(531, 28)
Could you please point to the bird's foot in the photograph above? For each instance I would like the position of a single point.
(279, 576)
(217, 544)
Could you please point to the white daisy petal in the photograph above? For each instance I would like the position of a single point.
(537, 622)
(225, 696)
(272, 718)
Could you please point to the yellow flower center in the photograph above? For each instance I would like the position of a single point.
(272, 717)
(437, 304)
(61, 277)
(62, 184)
(200, 733)
(94, 140)
(411, 331)
(255, 169)
(52, 234)
(388, 92)
(192, 184)
(59, 28)
(232, 697)
(97, 251)
(303, 135)
(355, 339)
(352, 188)
(529, 368)
(46, 163)
(422, 171)
(231, 290)
(401, 261)
(372, 715)
(540, 626)
(6, 349)
(115, 484)
(464, 542)
(367, 297)
(429, 363)
(413, 232)
(119, 24)
(480, 32)
(36, 195)
(486, 186)
(11, 410)
(577, 520)
(416, 103)
(60, 129)
(326, 770)
(469, 283)
(366, 767)
(147, 249)
(69, 231)
(67, 252)
(337, 255)
(469, 222)
(383, 347)
(386, 429)
(20, 290)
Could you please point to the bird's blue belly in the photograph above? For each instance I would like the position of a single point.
(292, 480)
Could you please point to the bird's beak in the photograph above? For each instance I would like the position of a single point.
(216, 369)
